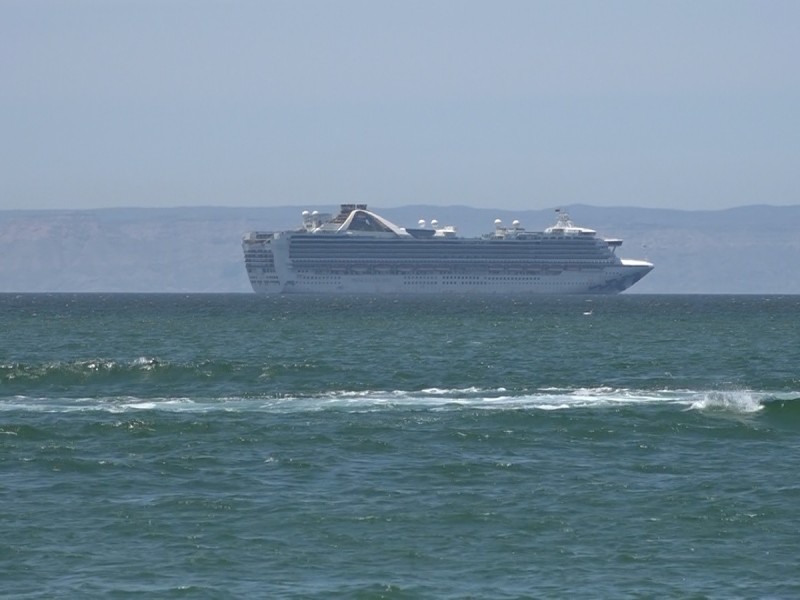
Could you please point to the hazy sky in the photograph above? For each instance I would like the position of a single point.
(510, 104)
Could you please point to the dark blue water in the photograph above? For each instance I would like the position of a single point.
(238, 446)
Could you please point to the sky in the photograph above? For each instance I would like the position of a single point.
(508, 104)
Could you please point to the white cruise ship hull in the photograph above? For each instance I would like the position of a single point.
(613, 282)
(268, 278)
(573, 261)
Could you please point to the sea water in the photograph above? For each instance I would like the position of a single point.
(236, 446)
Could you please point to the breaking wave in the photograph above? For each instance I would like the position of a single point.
(435, 399)
(95, 369)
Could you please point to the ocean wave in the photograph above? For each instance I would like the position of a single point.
(95, 376)
(69, 370)
(737, 401)
(435, 399)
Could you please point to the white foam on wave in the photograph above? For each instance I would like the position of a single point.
(174, 404)
(546, 399)
(475, 398)
(146, 362)
(736, 401)
(117, 404)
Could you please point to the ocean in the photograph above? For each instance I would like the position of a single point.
(236, 446)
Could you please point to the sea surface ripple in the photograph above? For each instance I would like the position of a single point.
(226, 446)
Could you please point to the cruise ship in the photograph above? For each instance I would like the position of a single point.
(359, 252)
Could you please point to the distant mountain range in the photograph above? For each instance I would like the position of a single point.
(747, 250)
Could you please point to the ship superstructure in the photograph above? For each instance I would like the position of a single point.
(358, 251)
